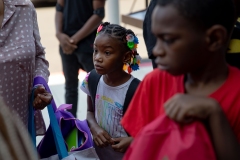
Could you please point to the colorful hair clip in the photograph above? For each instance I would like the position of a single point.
(132, 42)
(99, 28)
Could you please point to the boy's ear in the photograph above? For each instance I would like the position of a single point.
(217, 37)
(127, 57)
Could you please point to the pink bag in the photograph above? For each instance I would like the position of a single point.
(164, 139)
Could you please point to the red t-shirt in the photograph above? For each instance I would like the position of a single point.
(158, 86)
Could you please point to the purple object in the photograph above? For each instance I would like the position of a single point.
(41, 80)
(67, 122)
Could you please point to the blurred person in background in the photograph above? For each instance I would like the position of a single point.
(22, 58)
(149, 38)
(233, 54)
(76, 24)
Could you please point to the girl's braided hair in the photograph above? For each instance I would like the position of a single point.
(127, 37)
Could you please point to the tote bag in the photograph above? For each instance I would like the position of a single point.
(67, 123)
(53, 145)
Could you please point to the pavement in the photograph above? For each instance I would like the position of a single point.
(49, 41)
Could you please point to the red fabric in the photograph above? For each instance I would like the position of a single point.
(158, 86)
(164, 139)
(147, 103)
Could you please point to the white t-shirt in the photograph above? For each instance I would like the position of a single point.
(109, 103)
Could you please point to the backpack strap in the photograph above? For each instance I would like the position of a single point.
(93, 80)
(130, 92)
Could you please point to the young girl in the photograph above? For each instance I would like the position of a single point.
(114, 52)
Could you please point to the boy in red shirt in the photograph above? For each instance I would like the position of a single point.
(194, 81)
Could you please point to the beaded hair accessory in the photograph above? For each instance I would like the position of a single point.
(132, 43)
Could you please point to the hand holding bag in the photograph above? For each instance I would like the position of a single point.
(53, 146)
(67, 123)
(58, 139)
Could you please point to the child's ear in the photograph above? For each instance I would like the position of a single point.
(216, 37)
(127, 57)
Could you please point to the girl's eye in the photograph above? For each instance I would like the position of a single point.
(95, 51)
(107, 53)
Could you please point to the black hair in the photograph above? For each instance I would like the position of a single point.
(237, 7)
(116, 31)
(205, 13)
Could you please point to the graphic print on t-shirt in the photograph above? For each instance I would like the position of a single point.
(108, 115)
(109, 105)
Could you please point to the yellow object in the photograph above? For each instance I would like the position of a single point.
(135, 46)
(125, 67)
(234, 46)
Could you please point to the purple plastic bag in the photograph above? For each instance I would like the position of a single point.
(67, 123)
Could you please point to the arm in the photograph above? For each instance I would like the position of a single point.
(100, 136)
(65, 41)
(185, 108)
(91, 24)
(41, 64)
(42, 97)
(59, 18)
(90, 115)
(224, 141)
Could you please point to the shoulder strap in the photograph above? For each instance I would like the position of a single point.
(130, 92)
(93, 80)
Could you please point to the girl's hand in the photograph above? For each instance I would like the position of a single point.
(41, 98)
(185, 108)
(121, 144)
(101, 137)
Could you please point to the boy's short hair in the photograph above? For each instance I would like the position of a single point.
(237, 6)
(205, 13)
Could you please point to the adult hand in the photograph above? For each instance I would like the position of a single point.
(41, 98)
(68, 45)
(101, 137)
(185, 108)
(122, 143)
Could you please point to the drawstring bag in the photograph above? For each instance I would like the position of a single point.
(165, 139)
(63, 126)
